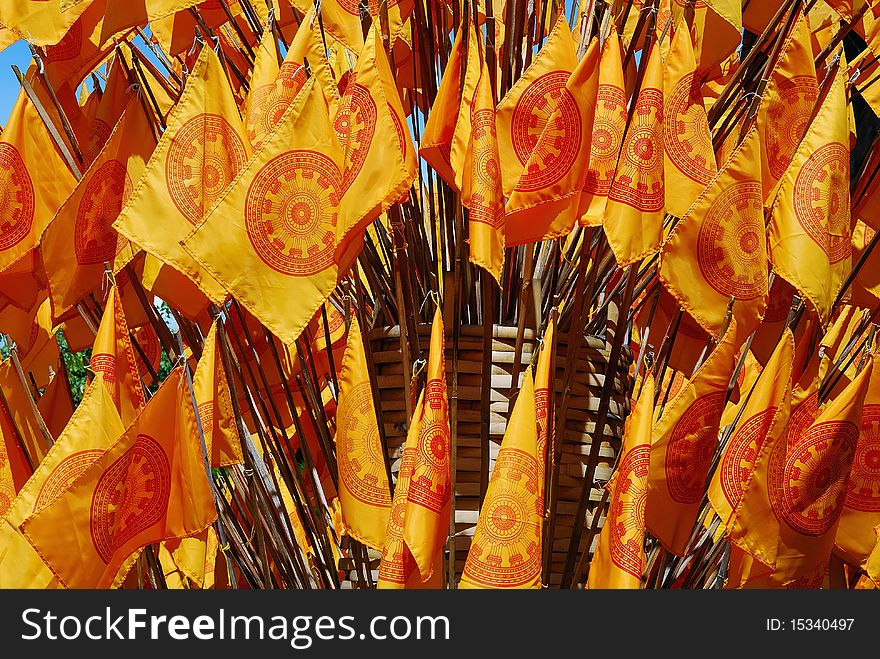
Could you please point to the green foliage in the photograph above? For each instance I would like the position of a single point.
(76, 366)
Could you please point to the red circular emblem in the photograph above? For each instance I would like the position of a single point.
(742, 451)
(821, 200)
(508, 551)
(16, 198)
(291, 212)
(686, 131)
(69, 47)
(731, 245)
(63, 475)
(788, 117)
(627, 511)
(361, 466)
(863, 489)
(429, 487)
(487, 197)
(691, 448)
(131, 495)
(397, 561)
(608, 126)
(205, 155)
(549, 159)
(95, 240)
(99, 133)
(269, 102)
(355, 126)
(149, 344)
(639, 178)
(105, 364)
(801, 418)
(808, 482)
(7, 496)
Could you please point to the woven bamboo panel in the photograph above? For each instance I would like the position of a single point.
(575, 433)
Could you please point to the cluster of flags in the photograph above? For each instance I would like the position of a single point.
(240, 186)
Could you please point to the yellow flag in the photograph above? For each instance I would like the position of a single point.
(545, 376)
(379, 157)
(689, 156)
(506, 548)
(609, 123)
(718, 250)
(15, 467)
(481, 187)
(717, 29)
(764, 418)
(201, 152)
(34, 180)
(40, 22)
(149, 486)
(861, 507)
(619, 559)
(85, 220)
(866, 285)
(787, 105)
(114, 357)
(21, 414)
(809, 228)
(215, 406)
(108, 112)
(790, 509)
(363, 480)
(123, 14)
(428, 499)
(545, 204)
(682, 447)
(94, 426)
(56, 403)
(270, 241)
(341, 20)
(193, 557)
(524, 111)
(634, 212)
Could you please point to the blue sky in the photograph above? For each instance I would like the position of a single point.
(20, 55)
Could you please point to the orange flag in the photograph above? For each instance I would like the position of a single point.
(790, 510)
(545, 376)
(861, 507)
(123, 14)
(787, 105)
(149, 486)
(428, 499)
(689, 156)
(114, 357)
(214, 403)
(14, 466)
(609, 123)
(270, 240)
(717, 29)
(718, 250)
(809, 228)
(94, 426)
(682, 447)
(525, 110)
(506, 548)
(542, 206)
(764, 418)
(619, 559)
(34, 180)
(56, 403)
(363, 480)
(634, 213)
(200, 153)
(481, 186)
(108, 111)
(40, 22)
(85, 220)
(341, 20)
(379, 157)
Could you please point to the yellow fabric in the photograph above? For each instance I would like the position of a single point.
(764, 419)
(341, 20)
(688, 156)
(607, 132)
(716, 30)
(545, 202)
(866, 285)
(193, 557)
(363, 481)
(809, 228)
(717, 251)
(619, 559)
(21, 414)
(428, 509)
(199, 155)
(40, 22)
(634, 212)
(786, 106)
(108, 111)
(379, 162)
(872, 565)
(114, 357)
(94, 426)
(682, 444)
(35, 180)
(123, 14)
(15, 468)
(56, 404)
(214, 403)
(80, 241)
(524, 111)
(87, 536)
(545, 377)
(270, 240)
(506, 547)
